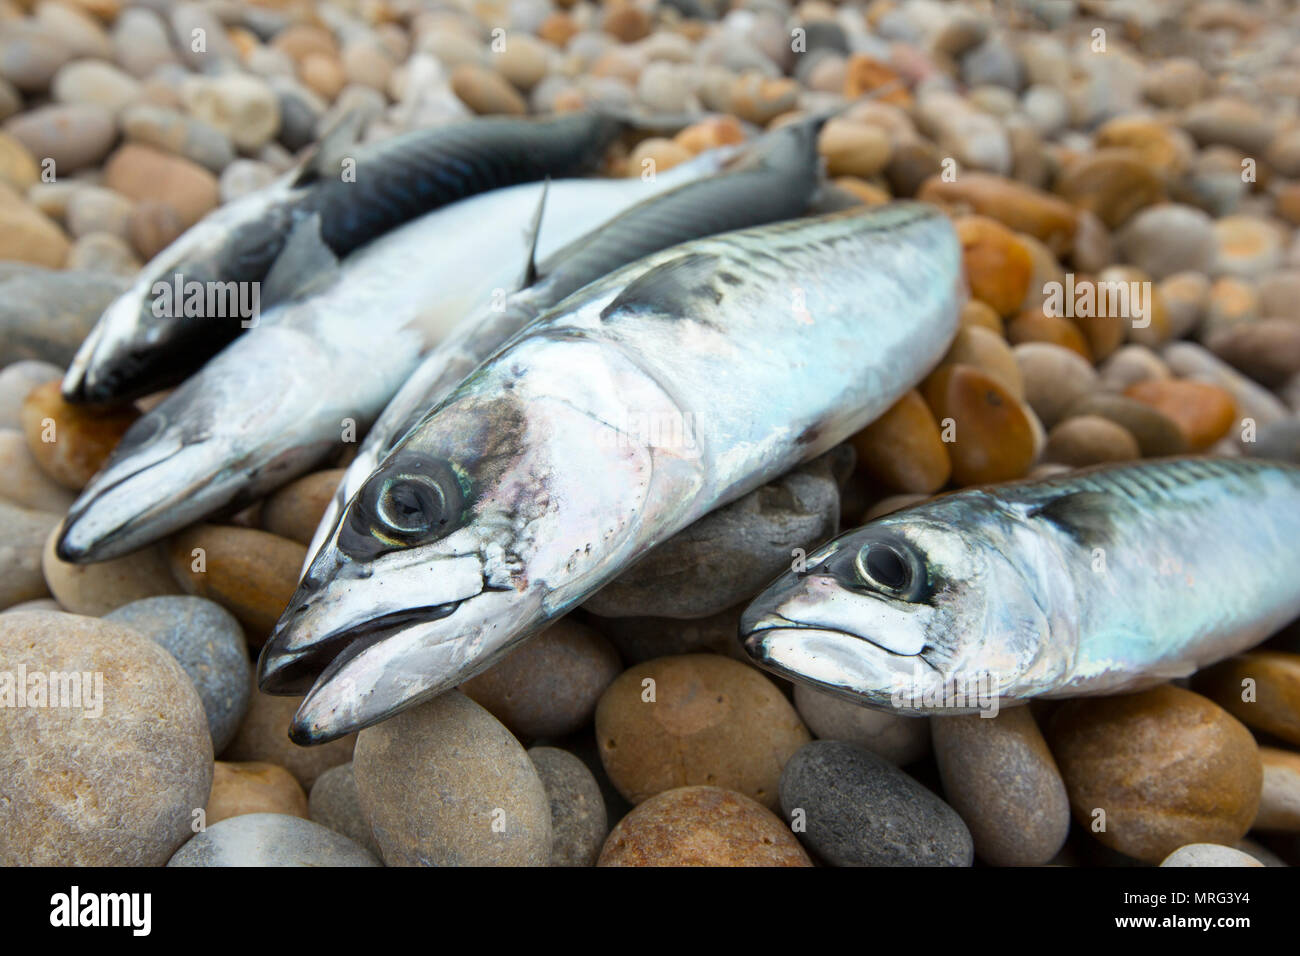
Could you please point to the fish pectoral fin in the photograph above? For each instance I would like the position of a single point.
(305, 263)
(1083, 515)
(676, 287)
(325, 157)
(534, 230)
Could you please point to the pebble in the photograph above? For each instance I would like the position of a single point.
(1156, 433)
(95, 589)
(243, 788)
(1203, 412)
(80, 33)
(1090, 440)
(251, 573)
(993, 434)
(1279, 294)
(858, 809)
(70, 442)
(1018, 207)
(745, 545)
(1209, 854)
(989, 352)
(1167, 239)
(702, 826)
(187, 18)
(263, 737)
(45, 315)
(145, 173)
(1130, 365)
(140, 769)
(154, 225)
(26, 531)
(1166, 766)
(485, 92)
(1271, 681)
(92, 209)
(1186, 295)
(30, 54)
(1189, 360)
(1111, 183)
(640, 639)
(244, 176)
(1001, 779)
(998, 266)
(103, 252)
(1268, 350)
(18, 169)
(174, 132)
(578, 821)
(335, 803)
(1247, 247)
(548, 686)
(903, 449)
(898, 738)
(853, 149)
(97, 83)
(445, 784)
(975, 312)
(701, 719)
(1164, 147)
(72, 135)
(271, 839)
(141, 43)
(242, 107)
(1279, 801)
(1035, 325)
(209, 645)
(27, 235)
(295, 510)
(1231, 302)
(16, 383)
(655, 154)
(1230, 121)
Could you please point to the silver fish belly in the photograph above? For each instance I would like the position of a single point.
(771, 180)
(1105, 580)
(600, 431)
(276, 401)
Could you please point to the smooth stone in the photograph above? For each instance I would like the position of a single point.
(30, 54)
(1279, 441)
(1186, 296)
(1191, 361)
(1166, 766)
(174, 132)
(18, 169)
(903, 449)
(1130, 365)
(665, 87)
(1157, 434)
(141, 42)
(27, 235)
(1035, 325)
(145, 173)
(70, 442)
(1273, 680)
(244, 176)
(994, 438)
(712, 721)
(1090, 440)
(853, 149)
(93, 209)
(743, 545)
(23, 542)
(1230, 121)
(209, 645)
(271, 839)
(1247, 247)
(95, 589)
(485, 92)
(860, 810)
(244, 108)
(367, 62)
(578, 821)
(1267, 350)
(186, 20)
(445, 784)
(103, 252)
(73, 135)
(1020, 208)
(23, 483)
(263, 736)
(251, 573)
(1279, 801)
(76, 29)
(97, 83)
(296, 510)
(1001, 779)
(1231, 302)
(154, 226)
(323, 74)
(702, 826)
(548, 686)
(1209, 854)
(1203, 412)
(981, 314)
(1168, 239)
(243, 788)
(898, 738)
(1112, 183)
(998, 266)
(758, 99)
(655, 154)
(1279, 294)
(335, 803)
(1165, 148)
(118, 789)
(640, 639)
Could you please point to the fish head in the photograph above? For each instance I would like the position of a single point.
(911, 612)
(468, 538)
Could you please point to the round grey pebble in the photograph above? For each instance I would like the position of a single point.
(209, 644)
(578, 822)
(271, 839)
(334, 803)
(897, 738)
(858, 809)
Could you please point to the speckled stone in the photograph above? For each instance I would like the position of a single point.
(116, 789)
(702, 826)
(271, 839)
(264, 736)
(899, 739)
(445, 784)
(578, 821)
(854, 808)
(335, 803)
(1209, 854)
(702, 719)
(22, 541)
(1166, 766)
(1001, 779)
(1260, 688)
(548, 686)
(240, 788)
(95, 589)
(16, 383)
(1279, 802)
(295, 510)
(209, 645)
(70, 442)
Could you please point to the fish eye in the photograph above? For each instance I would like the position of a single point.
(890, 566)
(411, 505)
(413, 500)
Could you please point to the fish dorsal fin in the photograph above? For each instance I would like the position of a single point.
(305, 263)
(676, 287)
(534, 230)
(1083, 515)
(323, 159)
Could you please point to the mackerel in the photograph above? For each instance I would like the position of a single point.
(1099, 581)
(598, 432)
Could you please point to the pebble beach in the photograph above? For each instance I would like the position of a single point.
(1124, 182)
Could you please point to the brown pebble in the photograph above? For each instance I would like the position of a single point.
(1279, 802)
(1203, 412)
(143, 173)
(255, 787)
(975, 312)
(1268, 350)
(998, 266)
(486, 92)
(295, 511)
(1033, 325)
(701, 826)
(263, 737)
(71, 442)
(993, 437)
(1019, 207)
(1111, 183)
(988, 352)
(1261, 689)
(1090, 440)
(865, 74)
(903, 450)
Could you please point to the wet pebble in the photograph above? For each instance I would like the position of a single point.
(445, 784)
(701, 826)
(696, 719)
(209, 645)
(857, 809)
(898, 738)
(271, 839)
(141, 766)
(578, 822)
(243, 788)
